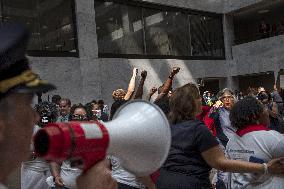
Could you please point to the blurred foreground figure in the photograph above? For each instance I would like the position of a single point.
(18, 84)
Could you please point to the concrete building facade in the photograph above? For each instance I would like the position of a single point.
(89, 77)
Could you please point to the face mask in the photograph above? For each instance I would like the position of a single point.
(97, 113)
(44, 119)
(78, 117)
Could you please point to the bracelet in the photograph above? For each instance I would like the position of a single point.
(265, 168)
(171, 77)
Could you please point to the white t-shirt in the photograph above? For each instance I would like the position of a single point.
(37, 164)
(123, 176)
(258, 147)
(69, 174)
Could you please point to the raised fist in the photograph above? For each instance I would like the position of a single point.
(175, 70)
(153, 90)
(135, 71)
(144, 74)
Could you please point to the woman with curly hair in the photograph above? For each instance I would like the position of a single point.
(194, 150)
(254, 142)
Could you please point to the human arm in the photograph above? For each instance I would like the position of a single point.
(147, 181)
(55, 172)
(274, 110)
(227, 165)
(168, 83)
(97, 177)
(151, 92)
(139, 92)
(208, 147)
(131, 86)
(209, 121)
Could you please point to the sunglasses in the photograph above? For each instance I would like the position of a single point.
(77, 117)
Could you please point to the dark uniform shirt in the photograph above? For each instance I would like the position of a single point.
(185, 167)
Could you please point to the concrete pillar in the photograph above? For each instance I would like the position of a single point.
(229, 37)
(229, 82)
(88, 50)
(228, 30)
(126, 24)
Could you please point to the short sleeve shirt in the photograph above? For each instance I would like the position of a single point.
(189, 140)
(256, 147)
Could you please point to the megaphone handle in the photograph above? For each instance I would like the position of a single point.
(91, 158)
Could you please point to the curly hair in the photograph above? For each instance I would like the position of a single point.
(183, 104)
(118, 94)
(246, 111)
(225, 91)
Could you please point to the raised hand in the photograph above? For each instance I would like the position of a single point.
(175, 70)
(144, 74)
(135, 71)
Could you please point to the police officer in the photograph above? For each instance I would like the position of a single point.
(18, 84)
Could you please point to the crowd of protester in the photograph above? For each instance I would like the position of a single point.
(236, 138)
(239, 136)
(212, 136)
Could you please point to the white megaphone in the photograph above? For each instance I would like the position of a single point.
(139, 135)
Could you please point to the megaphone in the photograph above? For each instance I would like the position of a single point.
(139, 135)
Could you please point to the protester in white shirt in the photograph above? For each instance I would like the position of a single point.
(254, 142)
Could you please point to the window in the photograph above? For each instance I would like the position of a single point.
(166, 33)
(119, 29)
(51, 23)
(205, 35)
(143, 30)
(259, 22)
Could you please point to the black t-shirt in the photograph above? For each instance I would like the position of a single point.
(164, 104)
(115, 106)
(189, 140)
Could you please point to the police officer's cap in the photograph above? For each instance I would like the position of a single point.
(15, 73)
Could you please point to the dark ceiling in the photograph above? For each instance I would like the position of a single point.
(261, 10)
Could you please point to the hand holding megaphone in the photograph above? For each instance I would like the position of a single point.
(139, 136)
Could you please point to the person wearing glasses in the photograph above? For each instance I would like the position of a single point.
(218, 121)
(194, 151)
(65, 175)
(78, 112)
